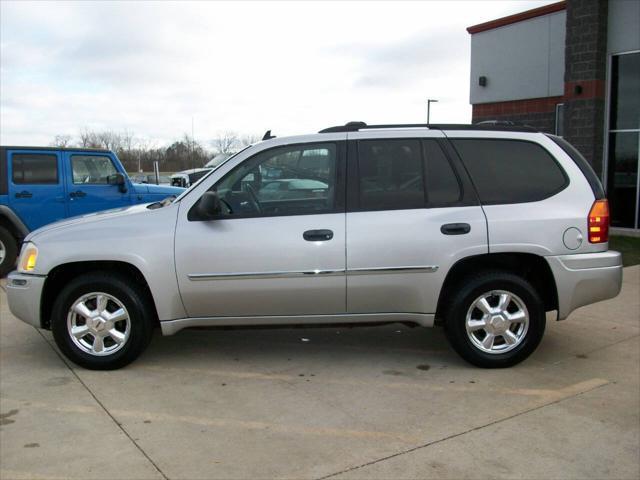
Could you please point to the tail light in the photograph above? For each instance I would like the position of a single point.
(599, 222)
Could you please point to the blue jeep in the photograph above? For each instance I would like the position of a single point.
(41, 185)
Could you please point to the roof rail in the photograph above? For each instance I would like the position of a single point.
(357, 126)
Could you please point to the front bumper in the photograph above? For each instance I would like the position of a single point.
(585, 278)
(24, 293)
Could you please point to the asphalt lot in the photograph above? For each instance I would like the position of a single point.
(385, 402)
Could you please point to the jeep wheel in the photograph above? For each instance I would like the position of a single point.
(8, 251)
(495, 320)
(101, 322)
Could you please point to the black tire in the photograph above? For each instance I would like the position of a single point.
(463, 297)
(10, 245)
(126, 292)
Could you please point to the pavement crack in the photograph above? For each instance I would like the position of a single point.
(102, 406)
(604, 347)
(459, 434)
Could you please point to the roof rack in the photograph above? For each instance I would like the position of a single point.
(64, 149)
(357, 126)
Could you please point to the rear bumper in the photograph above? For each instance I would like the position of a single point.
(586, 278)
(24, 293)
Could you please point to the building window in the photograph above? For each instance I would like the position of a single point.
(624, 141)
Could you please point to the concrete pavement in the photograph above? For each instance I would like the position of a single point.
(383, 402)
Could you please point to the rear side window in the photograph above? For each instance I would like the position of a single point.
(34, 168)
(390, 174)
(582, 164)
(510, 171)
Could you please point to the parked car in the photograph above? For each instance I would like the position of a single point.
(186, 178)
(292, 188)
(479, 229)
(151, 178)
(218, 160)
(42, 185)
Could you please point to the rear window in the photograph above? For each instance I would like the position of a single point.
(34, 168)
(443, 187)
(391, 175)
(510, 171)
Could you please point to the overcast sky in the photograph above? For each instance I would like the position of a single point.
(248, 67)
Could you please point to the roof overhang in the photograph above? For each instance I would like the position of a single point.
(518, 17)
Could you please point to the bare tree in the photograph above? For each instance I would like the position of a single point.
(88, 138)
(143, 149)
(127, 140)
(225, 142)
(61, 141)
(138, 154)
(246, 140)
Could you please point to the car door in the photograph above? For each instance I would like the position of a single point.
(266, 255)
(412, 213)
(88, 183)
(36, 190)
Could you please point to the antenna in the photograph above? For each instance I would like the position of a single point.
(267, 135)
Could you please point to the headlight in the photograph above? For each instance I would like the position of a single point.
(28, 258)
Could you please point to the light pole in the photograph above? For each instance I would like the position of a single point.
(429, 102)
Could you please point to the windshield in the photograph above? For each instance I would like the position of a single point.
(209, 173)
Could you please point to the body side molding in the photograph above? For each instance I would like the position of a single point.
(305, 273)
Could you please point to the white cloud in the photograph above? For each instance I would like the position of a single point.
(245, 66)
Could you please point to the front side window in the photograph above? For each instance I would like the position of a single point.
(34, 168)
(92, 169)
(510, 171)
(391, 174)
(294, 180)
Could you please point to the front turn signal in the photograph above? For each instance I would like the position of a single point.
(28, 258)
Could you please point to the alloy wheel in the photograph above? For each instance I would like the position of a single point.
(98, 324)
(497, 322)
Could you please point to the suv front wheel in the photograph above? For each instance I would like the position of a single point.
(495, 320)
(101, 321)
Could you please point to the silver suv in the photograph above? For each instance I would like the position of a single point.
(480, 229)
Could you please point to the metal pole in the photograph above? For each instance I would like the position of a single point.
(429, 100)
(191, 146)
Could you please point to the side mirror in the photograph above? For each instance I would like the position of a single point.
(118, 179)
(209, 206)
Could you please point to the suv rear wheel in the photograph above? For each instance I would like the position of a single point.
(495, 320)
(101, 321)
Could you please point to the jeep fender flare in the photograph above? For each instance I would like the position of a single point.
(19, 227)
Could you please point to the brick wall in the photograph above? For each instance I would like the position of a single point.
(539, 113)
(585, 70)
(584, 92)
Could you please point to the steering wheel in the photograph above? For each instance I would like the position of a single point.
(253, 198)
